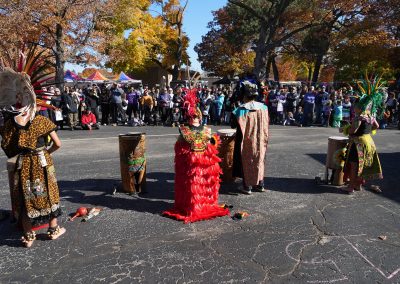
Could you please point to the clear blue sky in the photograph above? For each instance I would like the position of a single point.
(198, 14)
(195, 23)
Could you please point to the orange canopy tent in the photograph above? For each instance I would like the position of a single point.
(96, 76)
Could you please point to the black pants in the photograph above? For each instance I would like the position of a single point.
(105, 113)
(132, 108)
(115, 109)
(165, 114)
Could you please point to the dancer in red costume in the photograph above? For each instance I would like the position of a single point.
(197, 170)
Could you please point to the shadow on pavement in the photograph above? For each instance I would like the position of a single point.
(9, 234)
(99, 192)
(299, 185)
(391, 172)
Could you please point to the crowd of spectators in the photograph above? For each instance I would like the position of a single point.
(323, 106)
(94, 105)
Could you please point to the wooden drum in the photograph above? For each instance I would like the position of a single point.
(132, 150)
(335, 158)
(226, 152)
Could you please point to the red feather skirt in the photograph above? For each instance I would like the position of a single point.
(197, 182)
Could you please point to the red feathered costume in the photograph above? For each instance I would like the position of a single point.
(197, 174)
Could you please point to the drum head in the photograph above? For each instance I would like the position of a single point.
(226, 132)
(338, 138)
(132, 135)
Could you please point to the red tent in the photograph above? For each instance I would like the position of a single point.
(96, 76)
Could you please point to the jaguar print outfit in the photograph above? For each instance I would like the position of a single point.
(35, 191)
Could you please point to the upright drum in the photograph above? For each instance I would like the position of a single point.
(226, 152)
(335, 158)
(132, 153)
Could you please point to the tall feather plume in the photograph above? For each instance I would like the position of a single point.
(371, 96)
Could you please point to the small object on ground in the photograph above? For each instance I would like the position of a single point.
(375, 188)
(114, 190)
(240, 215)
(80, 212)
(383, 237)
(226, 206)
(92, 213)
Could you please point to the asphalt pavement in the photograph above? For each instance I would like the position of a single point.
(296, 232)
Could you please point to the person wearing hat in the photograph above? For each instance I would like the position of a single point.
(251, 140)
(362, 161)
(25, 136)
(197, 169)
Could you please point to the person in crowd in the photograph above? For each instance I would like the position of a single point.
(176, 117)
(72, 104)
(327, 110)
(155, 93)
(56, 115)
(299, 116)
(116, 109)
(290, 120)
(391, 105)
(291, 100)
(164, 104)
(104, 98)
(273, 104)
(281, 98)
(228, 106)
(133, 98)
(385, 119)
(213, 108)
(205, 104)
(42, 110)
(251, 140)
(302, 94)
(89, 120)
(337, 114)
(92, 102)
(82, 101)
(219, 105)
(146, 101)
(309, 104)
(319, 98)
(346, 109)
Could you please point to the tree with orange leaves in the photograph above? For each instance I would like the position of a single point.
(151, 40)
(68, 28)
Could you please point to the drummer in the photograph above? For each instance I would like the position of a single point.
(252, 122)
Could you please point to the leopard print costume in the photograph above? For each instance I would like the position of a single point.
(35, 191)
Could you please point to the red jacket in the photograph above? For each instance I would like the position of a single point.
(88, 118)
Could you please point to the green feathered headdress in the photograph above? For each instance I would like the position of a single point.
(371, 96)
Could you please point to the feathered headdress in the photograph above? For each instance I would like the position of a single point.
(191, 102)
(249, 88)
(17, 95)
(371, 96)
(22, 73)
